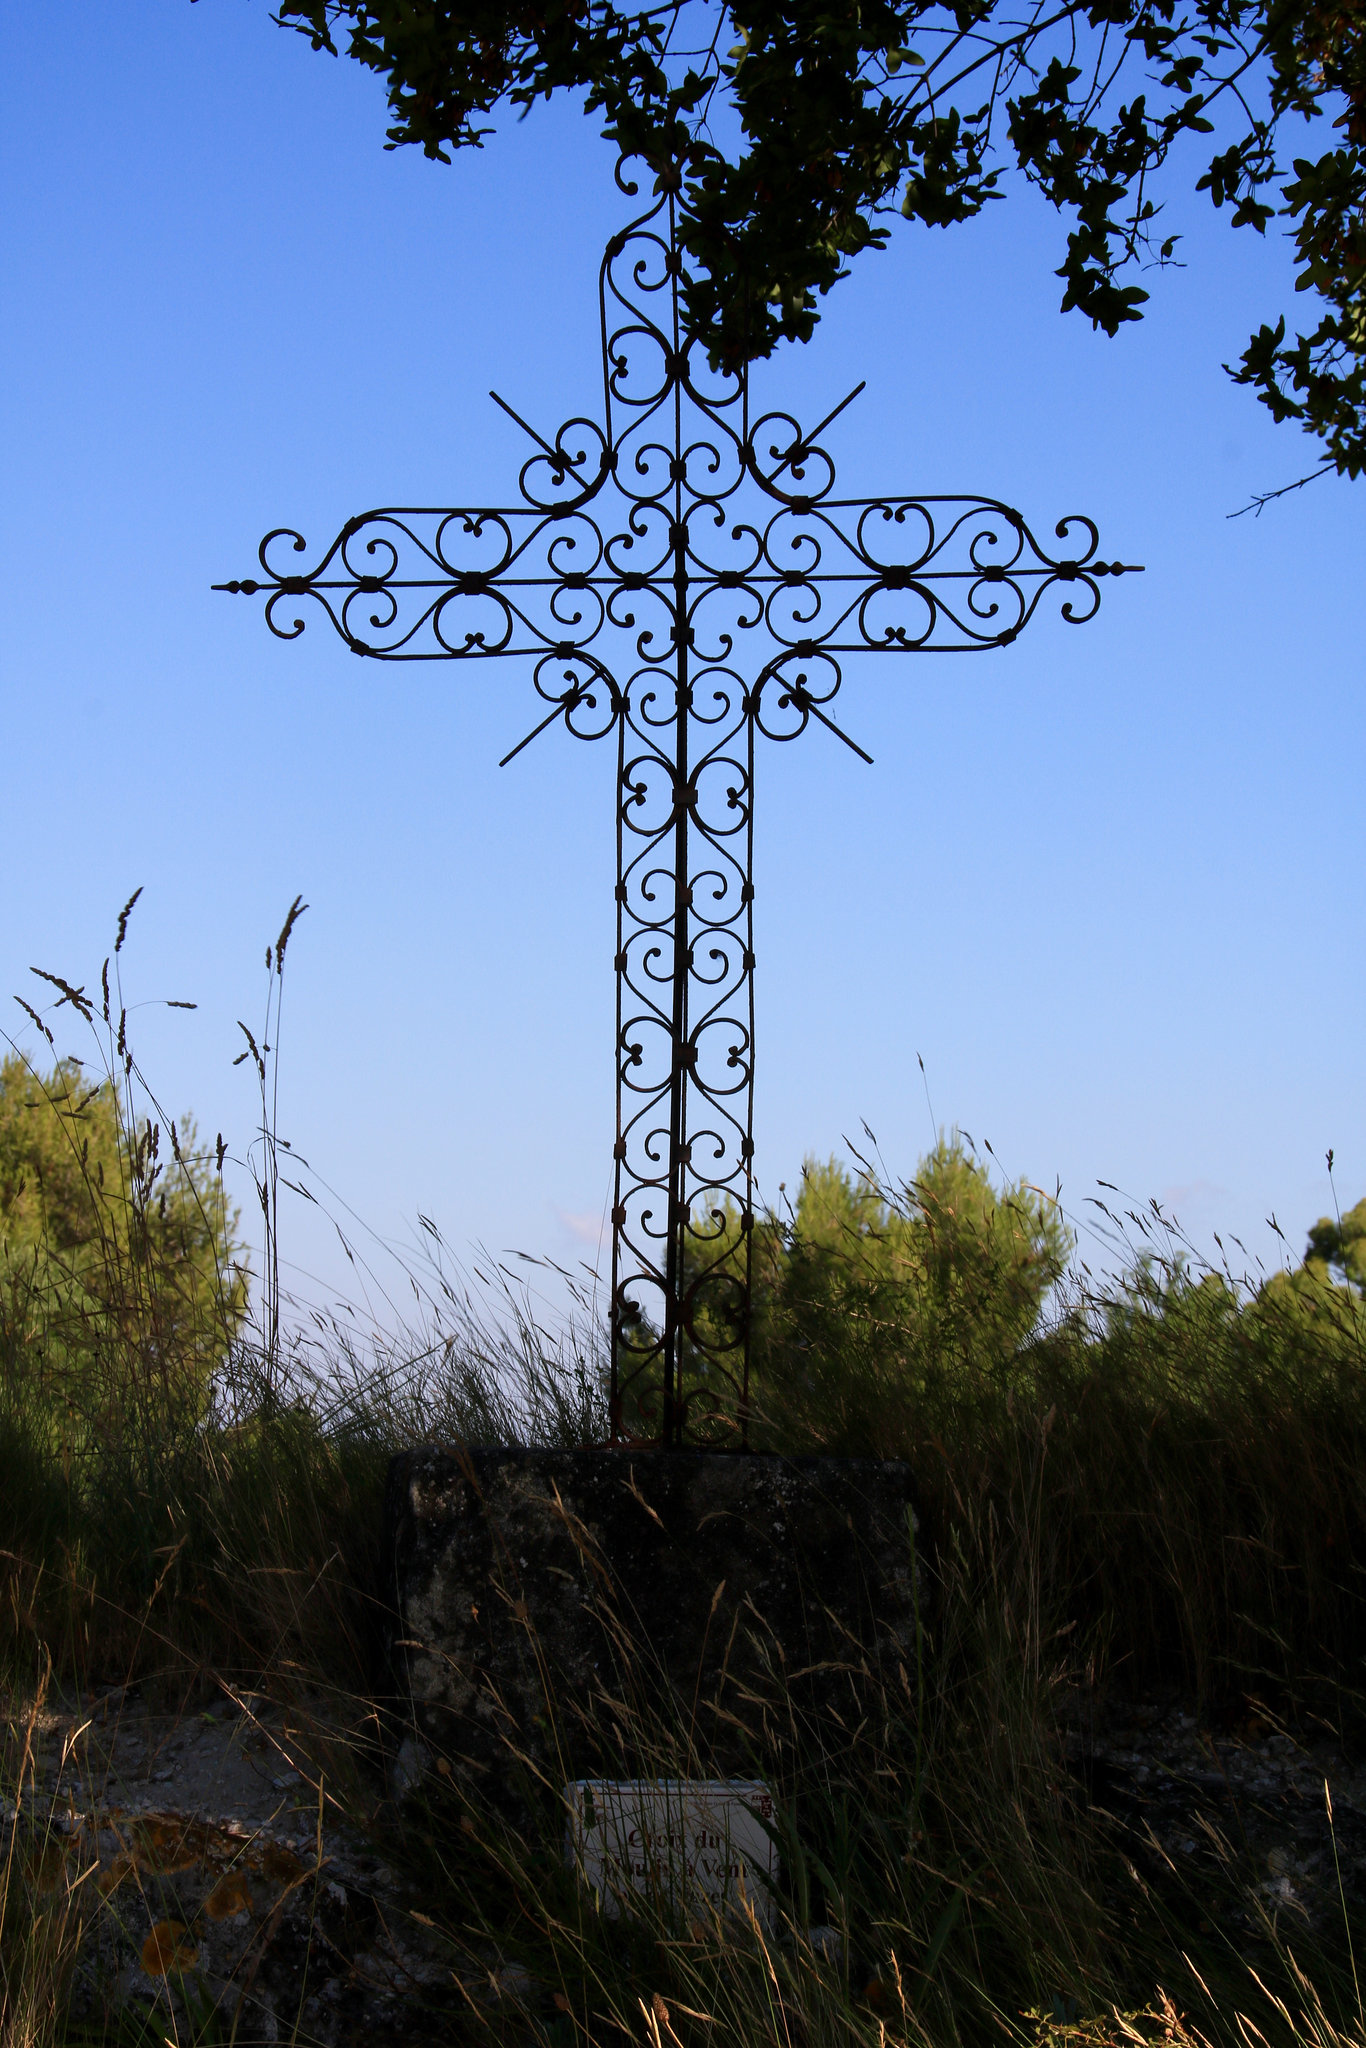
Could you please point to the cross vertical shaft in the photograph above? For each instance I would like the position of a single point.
(683, 1201)
(679, 1214)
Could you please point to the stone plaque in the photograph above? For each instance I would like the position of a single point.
(682, 1839)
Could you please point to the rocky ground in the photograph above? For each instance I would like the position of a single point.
(209, 1866)
(1263, 1822)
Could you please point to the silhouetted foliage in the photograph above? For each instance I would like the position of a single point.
(797, 126)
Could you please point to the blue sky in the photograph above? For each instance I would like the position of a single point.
(1105, 882)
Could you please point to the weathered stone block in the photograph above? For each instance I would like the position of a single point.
(618, 1614)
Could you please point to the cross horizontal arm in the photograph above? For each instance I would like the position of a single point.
(925, 574)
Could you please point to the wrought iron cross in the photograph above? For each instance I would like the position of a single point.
(723, 535)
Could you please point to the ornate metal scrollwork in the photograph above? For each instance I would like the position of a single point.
(653, 562)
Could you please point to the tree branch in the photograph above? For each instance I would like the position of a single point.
(1256, 503)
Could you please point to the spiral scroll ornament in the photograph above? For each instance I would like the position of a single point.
(680, 574)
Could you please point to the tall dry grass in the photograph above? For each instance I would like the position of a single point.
(1164, 1478)
(943, 1879)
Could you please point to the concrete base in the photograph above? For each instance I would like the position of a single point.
(565, 1614)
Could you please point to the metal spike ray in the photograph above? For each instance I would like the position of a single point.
(680, 575)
